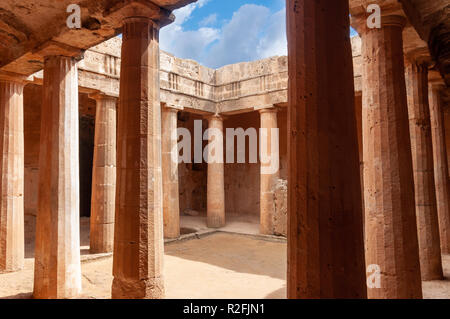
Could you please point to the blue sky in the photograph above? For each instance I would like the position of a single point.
(220, 32)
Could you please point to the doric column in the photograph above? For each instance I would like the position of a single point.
(423, 168)
(390, 221)
(171, 196)
(325, 236)
(57, 270)
(441, 179)
(138, 231)
(12, 174)
(103, 175)
(215, 198)
(269, 176)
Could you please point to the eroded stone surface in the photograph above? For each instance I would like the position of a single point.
(171, 195)
(104, 176)
(12, 175)
(441, 173)
(269, 177)
(138, 232)
(423, 168)
(390, 221)
(215, 206)
(57, 253)
(325, 235)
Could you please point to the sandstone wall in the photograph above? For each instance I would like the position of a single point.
(242, 181)
(280, 218)
(192, 177)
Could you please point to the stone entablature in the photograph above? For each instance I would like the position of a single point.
(185, 84)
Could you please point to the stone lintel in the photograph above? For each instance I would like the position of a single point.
(390, 15)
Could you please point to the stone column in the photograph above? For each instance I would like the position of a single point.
(325, 235)
(138, 230)
(12, 174)
(390, 220)
(57, 270)
(215, 198)
(441, 179)
(422, 160)
(171, 196)
(269, 178)
(103, 175)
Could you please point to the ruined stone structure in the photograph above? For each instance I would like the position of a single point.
(88, 121)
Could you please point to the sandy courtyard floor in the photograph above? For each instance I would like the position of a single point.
(218, 265)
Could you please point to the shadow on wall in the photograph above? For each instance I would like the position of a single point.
(86, 140)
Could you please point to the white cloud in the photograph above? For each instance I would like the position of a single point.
(187, 44)
(209, 20)
(183, 14)
(253, 33)
(274, 41)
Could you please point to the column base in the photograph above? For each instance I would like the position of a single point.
(102, 238)
(137, 289)
(267, 213)
(435, 272)
(46, 292)
(263, 230)
(171, 236)
(11, 269)
(215, 221)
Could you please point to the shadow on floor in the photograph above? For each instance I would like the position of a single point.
(30, 233)
(20, 296)
(277, 294)
(234, 252)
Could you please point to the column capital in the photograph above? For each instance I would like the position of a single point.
(269, 110)
(143, 9)
(171, 108)
(12, 175)
(139, 19)
(102, 96)
(437, 85)
(393, 21)
(420, 57)
(359, 22)
(216, 117)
